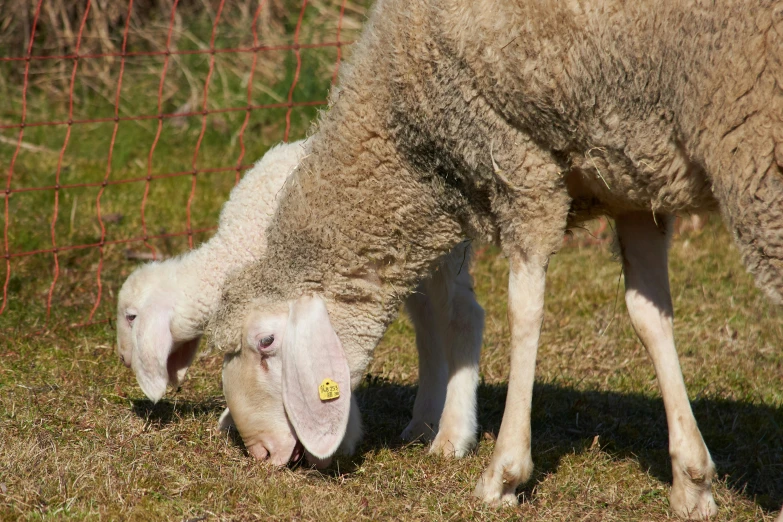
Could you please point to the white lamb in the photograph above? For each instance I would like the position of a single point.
(163, 308)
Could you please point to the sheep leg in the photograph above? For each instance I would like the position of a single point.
(431, 395)
(511, 462)
(644, 250)
(461, 325)
(449, 325)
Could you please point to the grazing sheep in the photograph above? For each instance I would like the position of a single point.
(163, 308)
(511, 121)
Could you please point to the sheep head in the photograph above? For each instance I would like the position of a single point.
(288, 386)
(146, 341)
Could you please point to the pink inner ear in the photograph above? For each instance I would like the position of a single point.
(311, 353)
(179, 360)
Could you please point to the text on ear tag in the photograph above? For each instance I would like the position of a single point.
(328, 390)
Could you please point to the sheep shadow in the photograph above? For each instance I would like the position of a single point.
(168, 411)
(161, 414)
(745, 439)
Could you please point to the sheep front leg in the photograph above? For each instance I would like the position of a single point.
(461, 323)
(511, 462)
(644, 250)
(428, 405)
(449, 325)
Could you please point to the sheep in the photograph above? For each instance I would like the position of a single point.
(163, 308)
(511, 122)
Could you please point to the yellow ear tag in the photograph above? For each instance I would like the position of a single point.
(328, 390)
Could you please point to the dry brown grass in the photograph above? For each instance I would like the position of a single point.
(59, 21)
(78, 440)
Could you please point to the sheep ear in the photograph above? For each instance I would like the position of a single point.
(153, 345)
(314, 371)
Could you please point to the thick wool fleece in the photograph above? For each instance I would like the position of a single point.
(511, 120)
(196, 278)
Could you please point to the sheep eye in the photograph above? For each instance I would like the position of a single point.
(266, 342)
(130, 318)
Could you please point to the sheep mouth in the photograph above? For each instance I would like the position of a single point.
(300, 454)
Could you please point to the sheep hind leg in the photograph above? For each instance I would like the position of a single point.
(644, 248)
(511, 462)
(460, 320)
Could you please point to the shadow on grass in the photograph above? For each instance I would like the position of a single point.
(745, 439)
(161, 414)
(168, 411)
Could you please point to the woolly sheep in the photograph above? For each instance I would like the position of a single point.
(511, 121)
(163, 308)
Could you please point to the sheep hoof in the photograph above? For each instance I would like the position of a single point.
(498, 484)
(495, 493)
(449, 444)
(418, 429)
(691, 496)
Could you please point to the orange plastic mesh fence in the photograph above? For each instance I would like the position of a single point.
(17, 124)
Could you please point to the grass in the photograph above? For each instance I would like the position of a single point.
(78, 440)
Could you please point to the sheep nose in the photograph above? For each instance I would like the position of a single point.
(276, 452)
(258, 451)
(126, 363)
